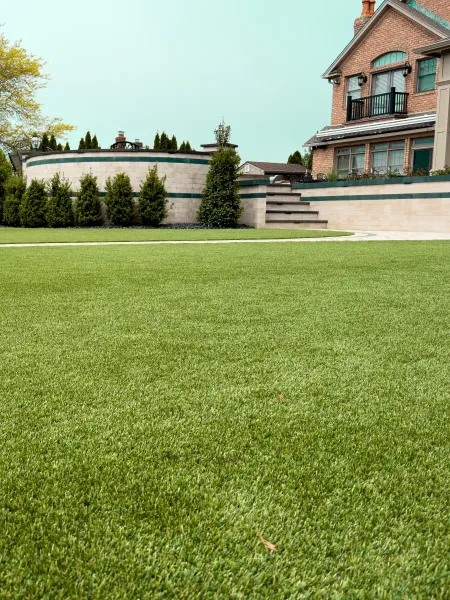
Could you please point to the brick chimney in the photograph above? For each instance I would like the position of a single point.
(121, 137)
(368, 9)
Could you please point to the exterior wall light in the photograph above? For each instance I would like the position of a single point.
(362, 79)
(335, 80)
(35, 141)
(407, 69)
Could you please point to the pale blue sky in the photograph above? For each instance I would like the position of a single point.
(179, 65)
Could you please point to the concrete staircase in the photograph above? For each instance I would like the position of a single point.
(286, 210)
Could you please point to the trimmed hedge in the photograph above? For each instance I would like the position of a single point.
(32, 209)
(153, 199)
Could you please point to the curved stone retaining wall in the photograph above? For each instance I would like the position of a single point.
(185, 172)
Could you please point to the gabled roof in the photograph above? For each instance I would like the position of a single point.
(276, 168)
(405, 9)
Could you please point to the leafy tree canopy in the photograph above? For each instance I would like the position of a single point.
(21, 77)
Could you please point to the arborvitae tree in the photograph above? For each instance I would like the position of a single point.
(221, 204)
(173, 143)
(33, 206)
(82, 144)
(5, 176)
(94, 144)
(153, 199)
(45, 143)
(88, 140)
(53, 145)
(308, 160)
(182, 148)
(188, 147)
(15, 191)
(88, 208)
(165, 142)
(157, 142)
(295, 159)
(59, 204)
(67, 147)
(59, 148)
(119, 200)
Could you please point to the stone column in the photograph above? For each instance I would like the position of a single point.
(441, 157)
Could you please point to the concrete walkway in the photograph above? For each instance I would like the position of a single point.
(360, 236)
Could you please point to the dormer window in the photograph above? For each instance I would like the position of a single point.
(389, 58)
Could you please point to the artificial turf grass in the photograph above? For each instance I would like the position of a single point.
(144, 446)
(11, 235)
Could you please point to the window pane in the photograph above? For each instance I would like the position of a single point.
(397, 144)
(379, 162)
(396, 160)
(358, 163)
(398, 81)
(343, 150)
(427, 83)
(424, 142)
(389, 59)
(426, 80)
(343, 165)
(353, 88)
(381, 146)
(427, 67)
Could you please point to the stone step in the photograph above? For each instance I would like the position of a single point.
(296, 225)
(284, 194)
(279, 189)
(286, 206)
(292, 215)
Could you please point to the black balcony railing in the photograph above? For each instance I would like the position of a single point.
(392, 103)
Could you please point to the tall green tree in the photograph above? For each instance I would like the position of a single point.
(32, 209)
(59, 203)
(188, 147)
(67, 147)
(53, 145)
(221, 204)
(45, 143)
(173, 143)
(88, 211)
(295, 158)
(59, 148)
(5, 176)
(94, 144)
(153, 199)
(308, 160)
(157, 142)
(15, 191)
(88, 140)
(165, 142)
(119, 200)
(82, 144)
(183, 147)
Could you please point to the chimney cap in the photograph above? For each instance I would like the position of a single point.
(121, 132)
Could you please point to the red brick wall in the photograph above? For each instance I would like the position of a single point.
(439, 7)
(392, 32)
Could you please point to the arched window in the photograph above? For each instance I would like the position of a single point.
(389, 58)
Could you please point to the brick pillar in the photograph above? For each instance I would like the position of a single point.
(367, 159)
(441, 157)
(407, 161)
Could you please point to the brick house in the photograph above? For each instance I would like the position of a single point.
(385, 92)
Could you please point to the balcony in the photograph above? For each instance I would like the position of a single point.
(392, 103)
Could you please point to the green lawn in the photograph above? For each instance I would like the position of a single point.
(9, 235)
(144, 446)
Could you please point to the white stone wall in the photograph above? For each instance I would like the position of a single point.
(182, 177)
(384, 214)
